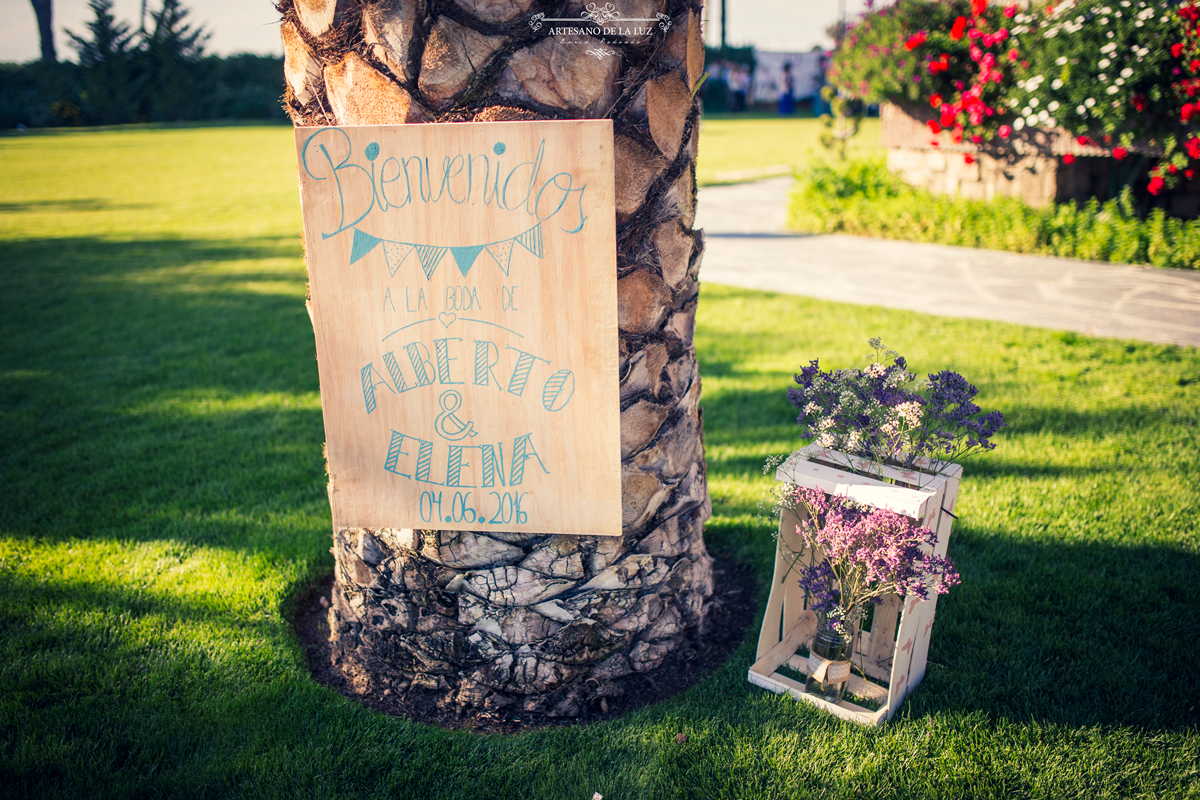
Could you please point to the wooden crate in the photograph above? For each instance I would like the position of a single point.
(895, 650)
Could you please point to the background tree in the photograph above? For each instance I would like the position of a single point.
(44, 10)
(126, 75)
(110, 83)
(458, 612)
(173, 50)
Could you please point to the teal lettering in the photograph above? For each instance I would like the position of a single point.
(441, 349)
(328, 154)
(395, 450)
(422, 364)
(484, 363)
(387, 202)
(522, 451)
(424, 460)
(389, 361)
(493, 465)
(370, 379)
(455, 466)
(520, 376)
(447, 164)
(336, 171)
(537, 168)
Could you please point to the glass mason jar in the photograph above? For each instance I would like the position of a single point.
(828, 663)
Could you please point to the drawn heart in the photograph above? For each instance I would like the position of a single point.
(447, 318)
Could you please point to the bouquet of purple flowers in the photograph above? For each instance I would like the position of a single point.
(866, 419)
(881, 414)
(868, 553)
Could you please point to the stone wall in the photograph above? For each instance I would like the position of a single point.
(1033, 178)
(1028, 166)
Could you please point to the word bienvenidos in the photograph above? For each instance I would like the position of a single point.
(396, 182)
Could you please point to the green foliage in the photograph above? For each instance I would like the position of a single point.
(242, 86)
(173, 52)
(841, 124)
(165, 506)
(736, 55)
(862, 197)
(40, 94)
(128, 76)
(111, 81)
(1099, 68)
(1117, 73)
(874, 64)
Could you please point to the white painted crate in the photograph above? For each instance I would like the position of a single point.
(895, 650)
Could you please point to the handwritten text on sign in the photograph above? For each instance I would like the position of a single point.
(463, 293)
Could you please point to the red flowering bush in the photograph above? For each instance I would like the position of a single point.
(1110, 72)
(915, 50)
(955, 55)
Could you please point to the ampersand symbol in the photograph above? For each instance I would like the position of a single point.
(448, 425)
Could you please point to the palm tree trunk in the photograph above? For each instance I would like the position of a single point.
(462, 612)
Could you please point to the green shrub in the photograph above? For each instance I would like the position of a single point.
(1115, 75)
(863, 198)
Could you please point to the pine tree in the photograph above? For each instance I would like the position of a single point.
(108, 52)
(173, 53)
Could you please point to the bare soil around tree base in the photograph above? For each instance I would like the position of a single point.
(730, 613)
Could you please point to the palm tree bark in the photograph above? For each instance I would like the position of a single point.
(463, 612)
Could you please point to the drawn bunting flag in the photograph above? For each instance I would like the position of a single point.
(395, 253)
(501, 253)
(531, 240)
(430, 256)
(465, 257)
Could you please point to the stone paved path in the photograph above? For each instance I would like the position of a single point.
(747, 247)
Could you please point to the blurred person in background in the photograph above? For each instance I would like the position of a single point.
(787, 98)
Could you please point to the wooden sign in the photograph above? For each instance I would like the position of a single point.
(463, 294)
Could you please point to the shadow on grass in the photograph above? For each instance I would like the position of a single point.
(140, 404)
(77, 204)
(1067, 632)
(1080, 634)
(160, 389)
(1054, 626)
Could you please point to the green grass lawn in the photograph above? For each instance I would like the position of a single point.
(728, 144)
(164, 505)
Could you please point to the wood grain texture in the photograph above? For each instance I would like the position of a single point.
(896, 649)
(466, 338)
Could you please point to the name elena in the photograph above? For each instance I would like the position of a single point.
(438, 368)
(399, 181)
